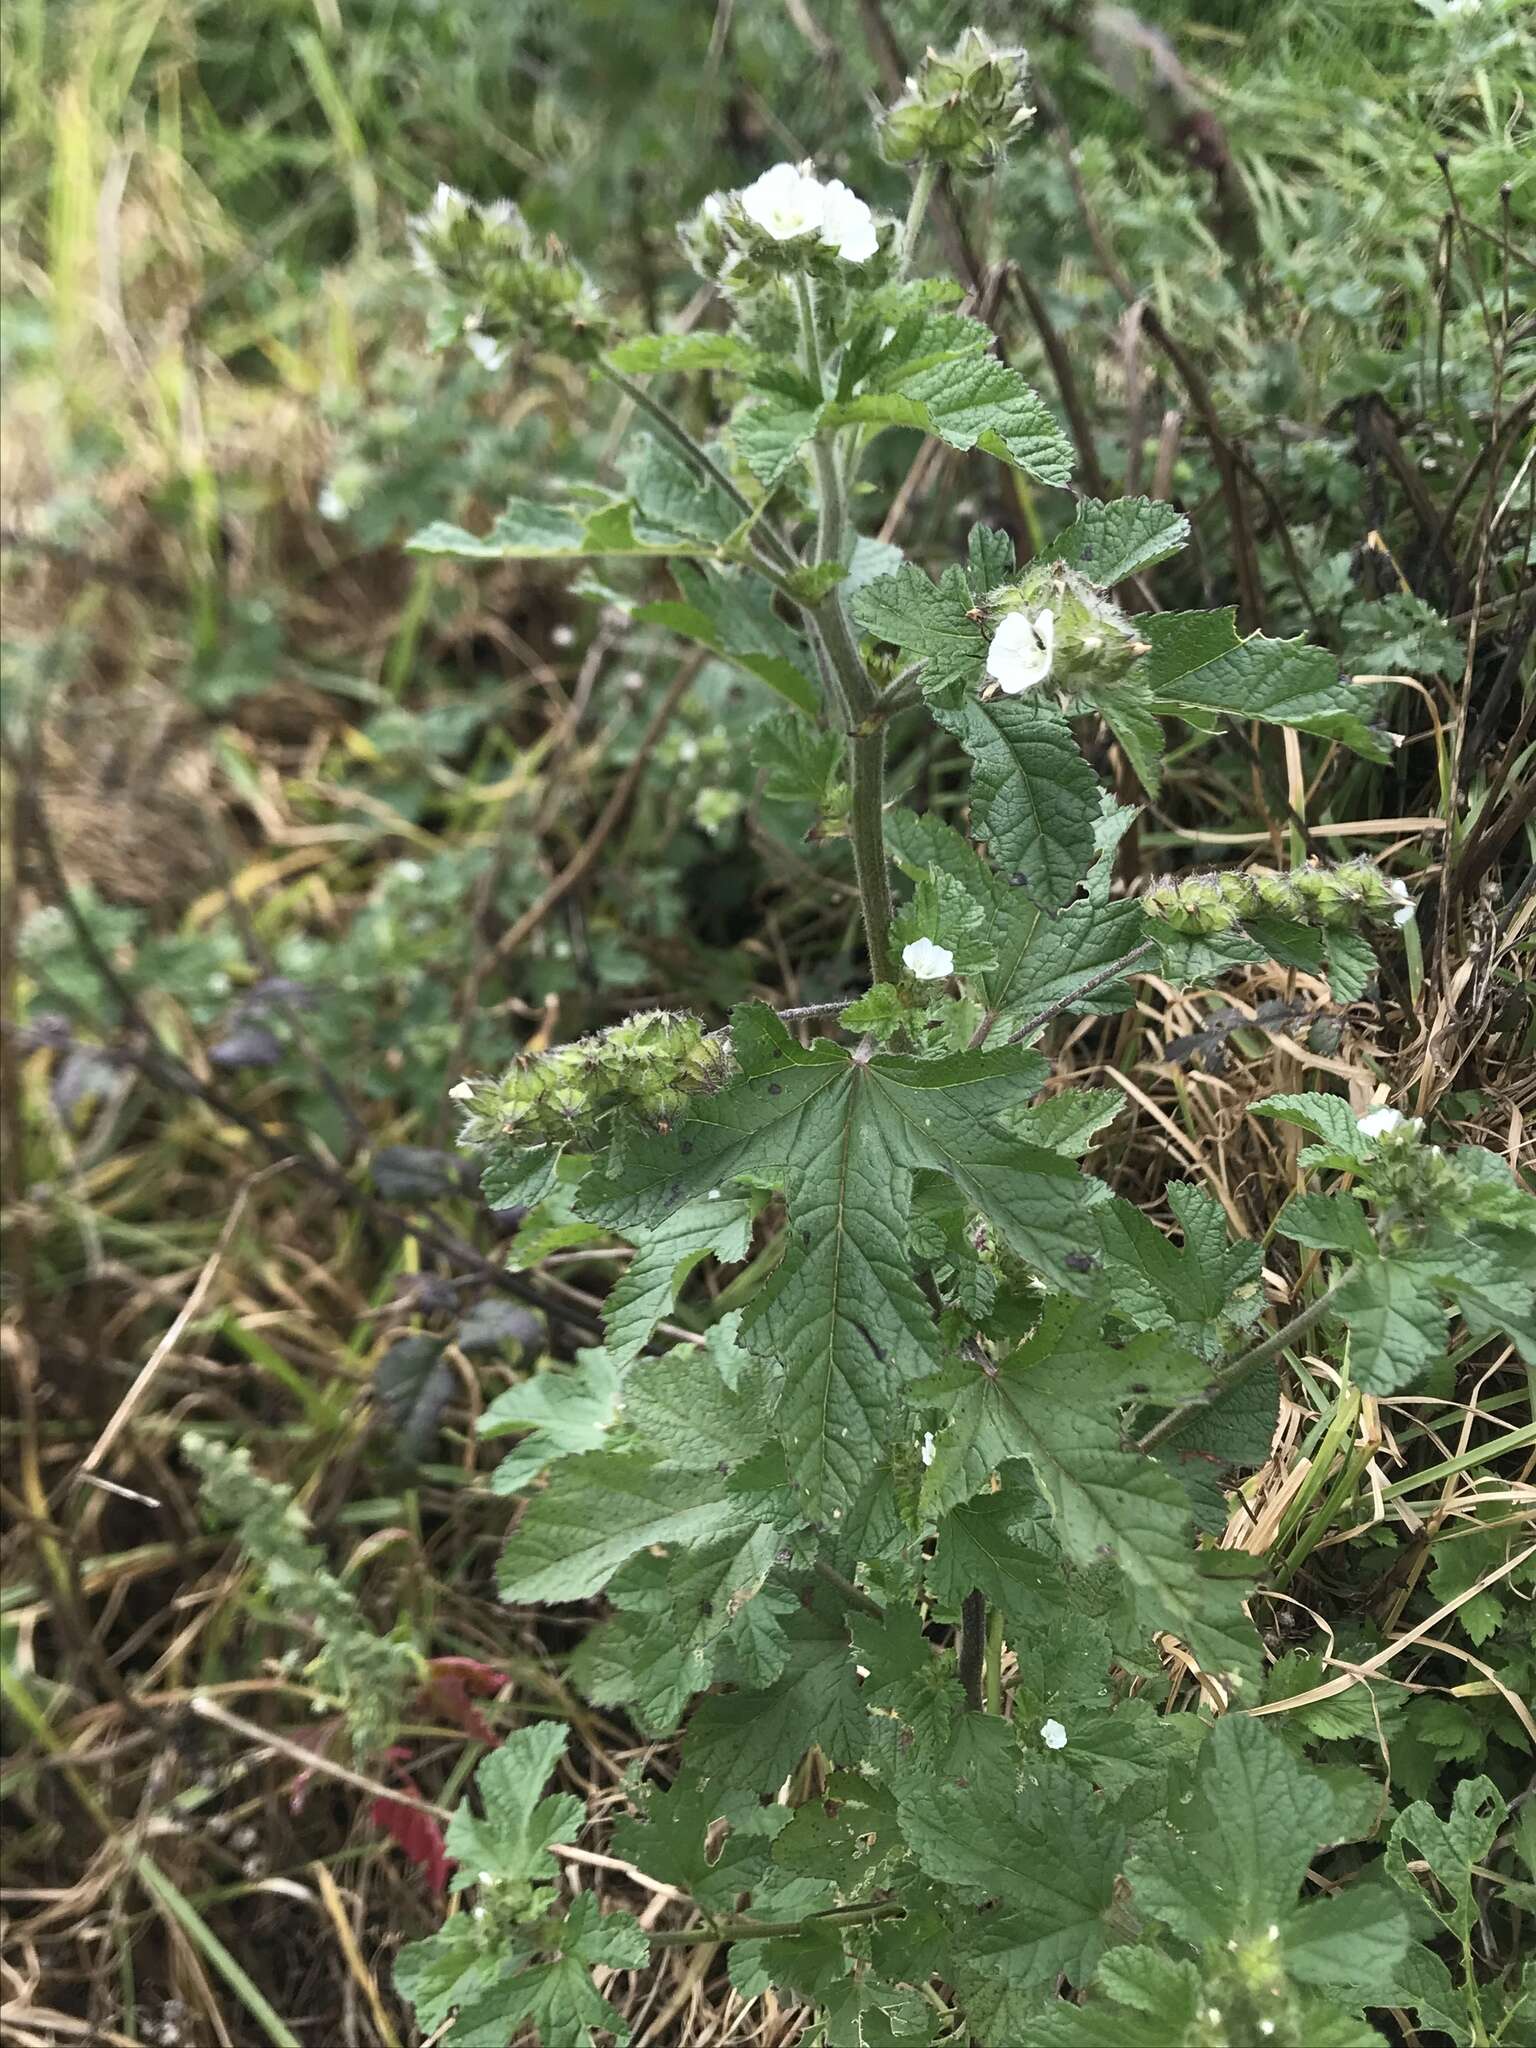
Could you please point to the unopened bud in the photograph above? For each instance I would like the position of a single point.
(962, 109)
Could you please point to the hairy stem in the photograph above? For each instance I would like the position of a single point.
(1241, 1369)
(922, 192)
(738, 1927)
(995, 1662)
(867, 826)
(854, 1595)
(973, 1648)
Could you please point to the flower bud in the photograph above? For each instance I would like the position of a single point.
(500, 287)
(962, 109)
(1335, 898)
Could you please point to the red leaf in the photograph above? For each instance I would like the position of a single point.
(419, 1834)
(450, 1682)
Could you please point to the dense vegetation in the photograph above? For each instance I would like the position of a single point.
(1018, 1522)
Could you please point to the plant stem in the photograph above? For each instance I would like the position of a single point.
(738, 1927)
(995, 1662)
(847, 678)
(854, 1595)
(922, 192)
(869, 862)
(972, 1647)
(1241, 1369)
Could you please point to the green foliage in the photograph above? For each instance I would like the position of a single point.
(969, 1394)
(370, 1676)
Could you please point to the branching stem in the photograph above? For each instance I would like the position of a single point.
(1242, 1368)
(739, 1927)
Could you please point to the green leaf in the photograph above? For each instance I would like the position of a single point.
(750, 1742)
(801, 763)
(731, 612)
(1037, 1844)
(769, 435)
(685, 1410)
(909, 1681)
(971, 401)
(928, 622)
(677, 1613)
(647, 354)
(1033, 796)
(1054, 1402)
(598, 1510)
(1396, 1322)
(1449, 1847)
(1110, 542)
(557, 1998)
(843, 1316)
(1327, 1223)
(1200, 663)
(664, 1257)
(565, 1412)
(513, 1839)
(1129, 713)
(1327, 1117)
(1230, 1867)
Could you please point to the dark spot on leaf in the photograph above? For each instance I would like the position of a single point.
(869, 1340)
(1140, 1387)
(774, 1088)
(1019, 879)
(706, 1608)
(1085, 552)
(1082, 1262)
(685, 1146)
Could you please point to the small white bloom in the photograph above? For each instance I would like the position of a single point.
(1019, 658)
(331, 504)
(489, 354)
(1380, 1123)
(1213, 2014)
(1398, 890)
(563, 636)
(1053, 1735)
(714, 1195)
(486, 1877)
(928, 961)
(462, 1091)
(926, 1448)
(1266, 2028)
(847, 224)
(1274, 1932)
(786, 203)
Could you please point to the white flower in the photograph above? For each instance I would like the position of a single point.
(928, 961)
(1053, 1735)
(786, 203)
(1020, 655)
(925, 1451)
(462, 1091)
(489, 354)
(1380, 1123)
(331, 504)
(847, 224)
(790, 203)
(1398, 890)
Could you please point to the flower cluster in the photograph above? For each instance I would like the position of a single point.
(501, 288)
(1054, 622)
(962, 109)
(649, 1065)
(788, 219)
(1343, 897)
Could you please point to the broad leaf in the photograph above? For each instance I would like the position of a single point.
(1200, 663)
(1110, 542)
(1033, 796)
(973, 401)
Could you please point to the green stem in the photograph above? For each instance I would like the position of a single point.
(995, 1662)
(854, 1595)
(1241, 1369)
(867, 829)
(738, 1927)
(922, 192)
(972, 1647)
